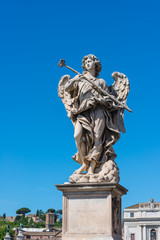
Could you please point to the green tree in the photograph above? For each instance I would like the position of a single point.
(41, 212)
(37, 213)
(58, 225)
(21, 219)
(42, 215)
(3, 231)
(23, 211)
(17, 218)
(4, 215)
(11, 233)
(52, 210)
(30, 222)
(58, 215)
(59, 211)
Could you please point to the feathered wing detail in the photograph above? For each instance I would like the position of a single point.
(120, 89)
(65, 96)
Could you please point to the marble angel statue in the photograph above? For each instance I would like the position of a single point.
(97, 119)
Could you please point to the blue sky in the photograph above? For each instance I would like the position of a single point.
(36, 136)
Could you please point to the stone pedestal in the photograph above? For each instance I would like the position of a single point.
(91, 211)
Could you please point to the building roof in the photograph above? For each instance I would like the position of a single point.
(150, 204)
(53, 229)
(56, 233)
(133, 206)
(41, 233)
(34, 229)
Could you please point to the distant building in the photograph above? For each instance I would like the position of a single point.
(142, 221)
(31, 215)
(40, 233)
(50, 220)
(37, 219)
(34, 218)
(10, 219)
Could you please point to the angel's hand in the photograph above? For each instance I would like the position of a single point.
(112, 106)
(115, 107)
(77, 78)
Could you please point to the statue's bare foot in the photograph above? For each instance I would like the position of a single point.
(91, 167)
(90, 172)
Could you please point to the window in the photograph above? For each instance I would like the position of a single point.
(132, 236)
(153, 234)
(131, 214)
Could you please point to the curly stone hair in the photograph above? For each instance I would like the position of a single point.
(97, 63)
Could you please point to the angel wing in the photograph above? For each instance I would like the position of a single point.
(65, 96)
(120, 89)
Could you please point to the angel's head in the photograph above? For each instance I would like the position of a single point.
(91, 61)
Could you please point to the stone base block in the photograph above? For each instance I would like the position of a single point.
(91, 211)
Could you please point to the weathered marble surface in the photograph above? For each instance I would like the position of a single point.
(91, 211)
(97, 120)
